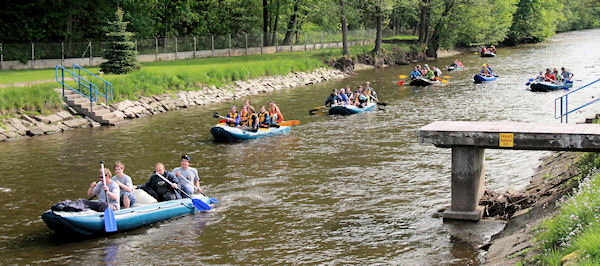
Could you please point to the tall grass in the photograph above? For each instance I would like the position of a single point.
(576, 228)
(35, 99)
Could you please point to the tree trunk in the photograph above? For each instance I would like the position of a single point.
(274, 28)
(265, 20)
(291, 27)
(424, 21)
(434, 44)
(344, 30)
(378, 35)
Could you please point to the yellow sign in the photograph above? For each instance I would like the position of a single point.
(507, 140)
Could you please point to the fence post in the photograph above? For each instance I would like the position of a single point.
(292, 43)
(229, 38)
(1, 57)
(314, 43)
(135, 45)
(91, 56)
(305, 40)
(175, 47)
(276, 42)
(155, 49)
(322, 44)
(32, 56)
(194, 47)
(62, 53)
(262, 43)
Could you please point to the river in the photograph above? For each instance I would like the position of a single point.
(343, 190)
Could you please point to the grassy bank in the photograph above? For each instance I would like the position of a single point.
(574, 233)
(169, 76)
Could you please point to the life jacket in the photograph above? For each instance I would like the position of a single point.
(244, 117)
(252, 119)
(262, 119)
(233, 116)
(278, 114)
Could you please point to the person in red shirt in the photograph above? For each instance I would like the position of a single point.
(549, 77)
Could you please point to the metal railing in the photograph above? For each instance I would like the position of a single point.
(108, 87)
(563, 103)
(89, 90)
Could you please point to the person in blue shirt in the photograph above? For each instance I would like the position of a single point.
(333, 98)
(233, 118)
(416, 73)
(343, 96)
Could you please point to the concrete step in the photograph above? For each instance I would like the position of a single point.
(97, 112)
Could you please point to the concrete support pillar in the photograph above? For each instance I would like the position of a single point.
(468, 183)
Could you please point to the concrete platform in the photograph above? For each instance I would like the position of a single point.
(469, 139)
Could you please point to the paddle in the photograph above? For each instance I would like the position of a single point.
(216, 115)
(212, 200)
(400, 83)
(446, 77)
(289, 123)
(311, 111)
(200, 205)
(110, 224)
(402, 76)
(528, 82)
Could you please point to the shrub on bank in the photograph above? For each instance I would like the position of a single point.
(35, 99)
(574, 233)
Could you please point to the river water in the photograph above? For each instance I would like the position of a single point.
(356, 189)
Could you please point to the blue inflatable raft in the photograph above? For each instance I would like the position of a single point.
(222, 132)
(91, 223)
(547, 86)
(350, 109)
(479, 78)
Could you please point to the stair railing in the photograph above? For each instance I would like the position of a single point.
(108, 87)
(83, 87)
(563, 104)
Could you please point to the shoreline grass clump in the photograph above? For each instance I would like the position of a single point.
(574, 233)
(37, 99)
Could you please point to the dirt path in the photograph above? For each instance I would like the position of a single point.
(25, 84)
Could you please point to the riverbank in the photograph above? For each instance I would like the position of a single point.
(554, 216)
(184, 87)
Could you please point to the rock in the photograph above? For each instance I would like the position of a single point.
(3, 137)
(129, 112)
(77, 122)
(93, 123)
(20, 128)
(63, 127)
(511, 190)
(11, 134)
(65, 115)
(53, 118)
(41, 119)
(35, 131)
(28, 119)
(72, 111)
(120, 106)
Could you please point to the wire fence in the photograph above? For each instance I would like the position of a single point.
(182, 47)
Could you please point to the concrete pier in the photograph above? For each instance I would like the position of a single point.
(468, 141)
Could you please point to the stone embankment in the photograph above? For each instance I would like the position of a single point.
(27, 125)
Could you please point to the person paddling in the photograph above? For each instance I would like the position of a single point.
(158, 188)
(275, 113)
(110, 190)
(332, 99)
(549, 77)
(233, 118)
(565, 75)
(187, 176)
(252, 123)
(416, 73)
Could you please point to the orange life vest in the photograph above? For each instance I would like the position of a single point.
(244, 117)
(233, 116)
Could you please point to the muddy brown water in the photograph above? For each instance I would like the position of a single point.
(355, 189)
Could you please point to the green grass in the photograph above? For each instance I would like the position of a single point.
(35, 99)
(170, 76)
(577, 225)
(403, 37)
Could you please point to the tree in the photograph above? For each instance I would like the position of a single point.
(344, 29)
(535, 20)
(121, 54)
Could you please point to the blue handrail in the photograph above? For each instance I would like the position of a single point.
(564, 104)
(108, 87)
(91, 87)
